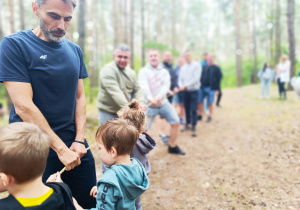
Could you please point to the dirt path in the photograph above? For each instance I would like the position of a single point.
(246, 158)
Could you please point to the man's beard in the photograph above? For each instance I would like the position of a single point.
(50, 33)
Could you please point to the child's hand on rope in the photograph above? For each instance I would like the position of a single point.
(54, 178)
(94, 191)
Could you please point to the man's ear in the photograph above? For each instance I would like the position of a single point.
(35, 8)
(113, 152)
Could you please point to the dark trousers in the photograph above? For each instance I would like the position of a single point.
(281, 88)
(219, 97)
(80, 180)
(190, 101)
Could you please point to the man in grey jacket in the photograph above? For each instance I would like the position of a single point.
(189, 82)
(155, 83)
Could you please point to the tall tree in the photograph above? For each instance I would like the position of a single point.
(132, 34)
(159, 22)
(125, 22)
(115, 23)
(81, 25)
(238, 51)
(277, 32)
(143, 30)
(174, 24)
(1, 25)
(290, 22)
(22, 17)
(254, 41)
(12, 16)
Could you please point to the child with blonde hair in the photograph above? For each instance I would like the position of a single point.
(24, 149)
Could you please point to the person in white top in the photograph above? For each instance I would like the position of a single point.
(266, 75)
(283, 75)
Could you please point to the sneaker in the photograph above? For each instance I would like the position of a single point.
(164, 138)
(175, 150)
(209, 119)
(181, 121)
(194, 132)
(199, 117)
(185, 128)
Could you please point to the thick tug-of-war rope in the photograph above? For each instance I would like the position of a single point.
(63, 170)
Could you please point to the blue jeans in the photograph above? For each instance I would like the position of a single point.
(265, 88)
(191, 104)
(80, 180)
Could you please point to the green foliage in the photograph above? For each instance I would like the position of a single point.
(2, 90)
(160, 47)
(229, 71)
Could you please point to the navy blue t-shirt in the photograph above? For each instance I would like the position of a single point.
(53, 69)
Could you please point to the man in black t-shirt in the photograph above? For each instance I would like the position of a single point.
(210, 85)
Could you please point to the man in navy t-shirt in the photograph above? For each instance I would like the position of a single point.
(43, 73)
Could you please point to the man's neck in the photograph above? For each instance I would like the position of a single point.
(39, 33)
(120, 67)
(30, 189)
(123, 159)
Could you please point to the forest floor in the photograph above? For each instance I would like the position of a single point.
(248, 157)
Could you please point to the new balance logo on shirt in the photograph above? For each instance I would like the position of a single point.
(43, 57)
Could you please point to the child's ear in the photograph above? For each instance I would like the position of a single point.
(4, 181)
(113, 152)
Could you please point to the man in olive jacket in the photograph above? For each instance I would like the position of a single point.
(118, 85)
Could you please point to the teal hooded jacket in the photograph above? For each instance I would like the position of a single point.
(121, 185)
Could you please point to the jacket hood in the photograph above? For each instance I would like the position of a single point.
(145, 143)
(133, 178)
(159, 67)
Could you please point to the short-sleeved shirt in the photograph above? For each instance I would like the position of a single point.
(53, 70)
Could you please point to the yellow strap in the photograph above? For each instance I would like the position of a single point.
(27, 202)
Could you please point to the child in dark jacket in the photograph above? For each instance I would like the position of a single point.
(144, 144)
(24, 149)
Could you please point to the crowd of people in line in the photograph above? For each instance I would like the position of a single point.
(43, 73)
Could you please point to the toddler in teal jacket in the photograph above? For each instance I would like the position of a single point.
(126, 179)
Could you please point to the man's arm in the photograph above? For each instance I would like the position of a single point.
(80, 120)
(21, 95)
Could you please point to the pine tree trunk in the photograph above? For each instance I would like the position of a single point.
(115, 22)
(254, 42)
(292, 44)
(132, 34)
(22, 17)
(238, 52)
(81, 26)
(277, 33)
(174, 24)
(143, 31)
(125, 22)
